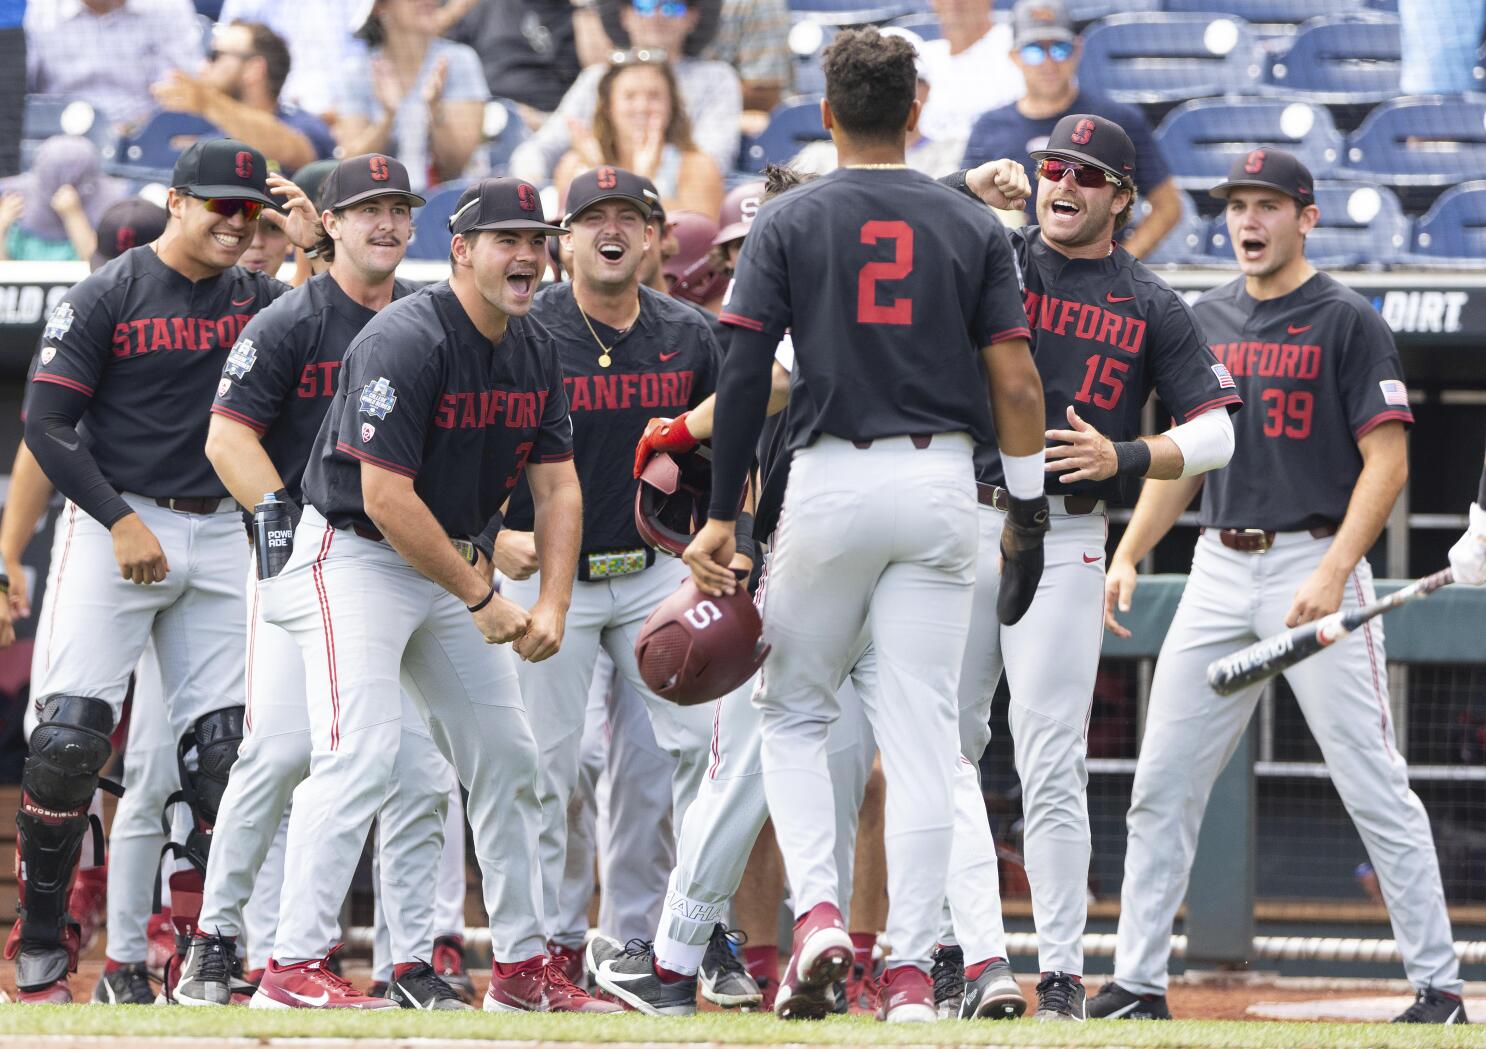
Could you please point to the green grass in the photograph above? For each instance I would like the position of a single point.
(716, 1028)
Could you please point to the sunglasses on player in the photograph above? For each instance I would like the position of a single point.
(664, 8)
(1085, 175)
(1036, 54)
(229, 206)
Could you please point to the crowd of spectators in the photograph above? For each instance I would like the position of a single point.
(668, 88)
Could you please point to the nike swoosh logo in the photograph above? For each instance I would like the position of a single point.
(244, 302)
(1092, 560)
(305, 999)
(1112, 297)
(1293, 330)
(411, 997)
(1123, 1010)
(608, 971)
(668, 356)
(72, 447)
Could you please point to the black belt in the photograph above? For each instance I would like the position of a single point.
(999, 498)
(467, 549)
(191, 505)
(1258, 540)
(597, 566)
(920, 441)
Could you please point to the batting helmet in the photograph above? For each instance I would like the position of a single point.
(671, 499)
(694, 648)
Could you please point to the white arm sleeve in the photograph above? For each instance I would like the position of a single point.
(1206, 442)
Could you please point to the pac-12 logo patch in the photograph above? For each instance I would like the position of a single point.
(224, 386)
(368, 431)
(377, 399)
(60, 322)
(242, 358)
(48, 353)
(1394, 392)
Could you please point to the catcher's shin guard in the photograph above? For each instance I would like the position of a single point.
(68, 749)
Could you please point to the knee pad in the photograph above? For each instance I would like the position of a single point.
(216, 738)
(69, 747)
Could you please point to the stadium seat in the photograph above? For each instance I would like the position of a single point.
(1338, 60)
(1185, 243)
(1273, 12)
(1200, 139)
(1082, 11)
(1360, 226)
(1154, 58)
(431, 235)
(504, 131)
(857, 12)
(1453, 231)
(48, 115)
(151, 151)
(790, 127)
(1420, 143)
(925, 27)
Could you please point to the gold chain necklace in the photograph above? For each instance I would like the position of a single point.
(604, 358)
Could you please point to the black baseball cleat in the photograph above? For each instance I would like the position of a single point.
(1113, 1002)
(628, 973)
(724, 978)
(948, 974)
(1060, 996)
(206, 976)
(127, 984)
(1433, 1007)
(422, 988)
(993, 995)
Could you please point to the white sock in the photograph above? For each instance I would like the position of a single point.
(678, 957)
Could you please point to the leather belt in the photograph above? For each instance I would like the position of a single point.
(999, 498)
(202, 505)
(920, 441)
(465, 548)
(1259, 540)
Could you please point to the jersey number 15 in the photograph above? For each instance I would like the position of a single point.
(898, 311)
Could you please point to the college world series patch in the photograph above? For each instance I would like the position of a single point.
(60, 322)
(378, 398)
(242, 358)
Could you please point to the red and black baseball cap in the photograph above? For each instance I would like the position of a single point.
(361, 178)
(1090, 139)
(610, 183)
(224, 168)
(127, 224)
(1269, 169)
(500, 203)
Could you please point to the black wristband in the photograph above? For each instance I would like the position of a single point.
(1132, 458)
(743, 536)
(472, 609)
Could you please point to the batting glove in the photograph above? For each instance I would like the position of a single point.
(663, 435)
(1468, 555)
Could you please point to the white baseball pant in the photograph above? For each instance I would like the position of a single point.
(584, 808)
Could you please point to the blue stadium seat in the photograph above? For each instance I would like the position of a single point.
(1201, 138)
(1292, 12)
(1360, 226)
(857, 12)
(1154, 58)
(1186, 243)
(1454, 229)
(1420, 141)
(151, 151)
(504, 131)
(925, 27)
(48, 115)
(431, 235)
(1338, 60)
(790, 127)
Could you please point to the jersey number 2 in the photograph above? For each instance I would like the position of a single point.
(899, 311)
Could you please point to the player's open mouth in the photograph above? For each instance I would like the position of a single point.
(1252, 247)
(611, 252)
(228, 240)
(386, 242)
(521, 283)
(1064, 207)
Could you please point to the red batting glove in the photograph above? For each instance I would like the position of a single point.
(663, 435)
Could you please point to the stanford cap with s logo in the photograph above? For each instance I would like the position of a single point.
(500, 203)
(127, 224)
(610, 183)
(224, 167)
(1090, 139)
(361, 178)
(1269, 169)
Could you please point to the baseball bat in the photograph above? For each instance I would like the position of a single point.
(1268, 657)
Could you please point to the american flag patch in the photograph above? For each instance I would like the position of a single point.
(1394, 392)
(1225, 379)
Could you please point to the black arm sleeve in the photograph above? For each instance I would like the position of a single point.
(485, 541)
(742, 399)
(51, 434)
(956, 180)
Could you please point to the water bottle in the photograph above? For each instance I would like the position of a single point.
(273, 536)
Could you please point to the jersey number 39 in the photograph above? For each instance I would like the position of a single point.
(898, 311)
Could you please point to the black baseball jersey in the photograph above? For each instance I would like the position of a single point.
(1318, 370)
(890, 283)
(664, 364)
(146, 345)
(1105, 333)
(280, 376)
(422, 393)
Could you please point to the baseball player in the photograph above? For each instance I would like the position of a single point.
(275, 389)
(627, 354)
(443, 401)
(1106, 333)
(1468, 555)
(156, 551)
(1321, 455)
(893, 287)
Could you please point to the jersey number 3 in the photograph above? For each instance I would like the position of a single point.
(899, 311)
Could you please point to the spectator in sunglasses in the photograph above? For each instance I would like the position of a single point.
(50, 212)
(318, 33)
(237, 91)
(1046, 51)
(639, 125)
(968, 67)
(656, 30)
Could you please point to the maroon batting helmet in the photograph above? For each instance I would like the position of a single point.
(671, 499)
(694, 648)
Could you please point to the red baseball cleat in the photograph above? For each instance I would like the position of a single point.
(448, 962)
(569, 960)
(538, 986)
(907, 996)
(310, 985)
(822, 955)
(160, 933)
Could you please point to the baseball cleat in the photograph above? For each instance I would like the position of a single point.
(724, 978)
(206, 972)
(948, 974)
(448, 962)
(993, 994)
(126, 983)
(1060, 996)
(377, 989)
(628, 973)
(907, 996)
(41, 970)
(570, 961)
(823, 954)
(310, 985)
(1433, 1007)
(1113, 1002)
(538, 986)
(419, 987)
